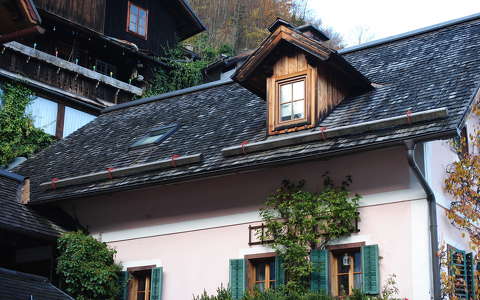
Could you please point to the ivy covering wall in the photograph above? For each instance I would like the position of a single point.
(18, 136)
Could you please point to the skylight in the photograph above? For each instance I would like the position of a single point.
(155, 136)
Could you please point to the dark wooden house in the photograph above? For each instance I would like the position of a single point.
(90, 54)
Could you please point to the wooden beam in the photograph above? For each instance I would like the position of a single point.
(25, 192)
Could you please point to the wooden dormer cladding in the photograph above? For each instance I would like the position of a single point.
(300, 77)
(322, 92)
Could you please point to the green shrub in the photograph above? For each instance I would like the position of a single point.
(283, 294)
(87, 268)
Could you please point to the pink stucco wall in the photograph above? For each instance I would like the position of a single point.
(198, 260)
(193, 228)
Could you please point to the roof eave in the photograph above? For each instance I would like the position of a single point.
(446, 134)
(196, 22)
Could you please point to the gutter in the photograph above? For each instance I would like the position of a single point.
(432, 218)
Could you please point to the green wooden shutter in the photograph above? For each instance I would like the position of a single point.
(458, 268)
(237, 278)
(370, 270)
(279, 272)
(156, 283)
(319, 277)
(470, 275)
(123, 280)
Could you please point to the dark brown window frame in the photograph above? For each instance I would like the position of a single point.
(133, 283)
(290, 79)
(130, 4)
(275, 126)
(251, 261)
(336, 251)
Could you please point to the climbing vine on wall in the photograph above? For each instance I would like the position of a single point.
(299, 221)
(462, 183)
(18, 136)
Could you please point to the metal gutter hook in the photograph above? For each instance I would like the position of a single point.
(322, 131)
(174, 156)
(243, 144)
(409, 116)
(110, 170)
(54, 183)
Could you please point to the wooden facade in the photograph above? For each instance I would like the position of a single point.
(322, 93)
(161, 25)
(67, 81)
(88, 13)
(168, 21)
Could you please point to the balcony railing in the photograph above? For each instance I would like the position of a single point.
(256, 233)
(68, 76)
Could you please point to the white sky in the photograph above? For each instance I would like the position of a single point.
(384, 18)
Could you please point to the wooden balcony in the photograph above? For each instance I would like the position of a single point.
(71, 78)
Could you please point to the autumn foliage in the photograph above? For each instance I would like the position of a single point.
(462, 184)
(243, 23)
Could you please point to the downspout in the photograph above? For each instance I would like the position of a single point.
(432, 217)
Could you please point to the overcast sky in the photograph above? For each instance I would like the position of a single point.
(388, 17)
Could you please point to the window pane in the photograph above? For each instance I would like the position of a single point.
(342, 268)
(133, 19)
(74, 119)
(132, 27)
(298, 109)
(357, 284)
(260, 272)
(285, 93)
(44, 114)
(143, 14)
(286, 112)
(133, 10)
(141, 284)
(260, 286)
(357, 262)
(343, 288)
(299, 90)
(141, 30)
(141, 296)
(272, 270)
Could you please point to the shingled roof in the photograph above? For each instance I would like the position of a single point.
(17, 217)
(434, 68)
(17, 285)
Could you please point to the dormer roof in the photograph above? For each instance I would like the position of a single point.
(284, 39)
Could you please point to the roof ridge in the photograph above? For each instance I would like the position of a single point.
(410, 33)
(168, 95)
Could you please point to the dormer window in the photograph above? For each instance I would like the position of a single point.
(292, 104)
(137, 22)
(301, 79)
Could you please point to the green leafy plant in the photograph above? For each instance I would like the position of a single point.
(298, 221)
(18, 136)
(282, 294)
(87, 268)
(183, 73)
